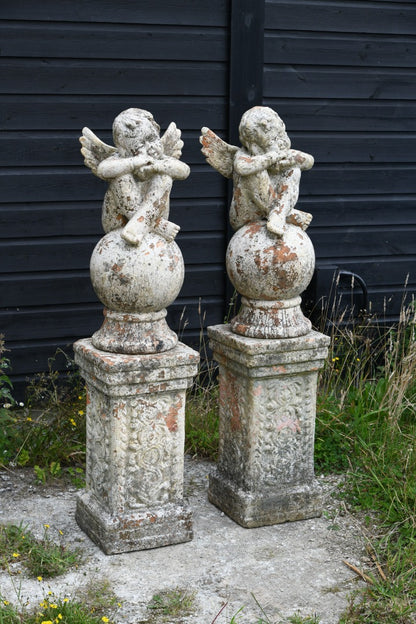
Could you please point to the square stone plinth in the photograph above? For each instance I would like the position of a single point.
(265, 470)
(135, 443)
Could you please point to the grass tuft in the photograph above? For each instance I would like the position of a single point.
(202, 410)
(171, 603)
(41, 557)
(48, 432)
(50, 611)
(366, 427)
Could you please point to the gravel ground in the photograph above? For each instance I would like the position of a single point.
(292, 568)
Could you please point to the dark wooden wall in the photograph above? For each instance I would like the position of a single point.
(342, 75)
(75, 63)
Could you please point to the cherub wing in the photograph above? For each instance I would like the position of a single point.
(94, 150)
(172, 142)
(218, 153)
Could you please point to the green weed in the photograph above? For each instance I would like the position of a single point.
(298, 619)
(76, 476)
(202, 410)
(99, 597)
(202, 422)
(6, 387)
(49, 611)
(172, 603)
(9, 614)
(41, 557)
(49, 433)
(366, 426)
(235, 617)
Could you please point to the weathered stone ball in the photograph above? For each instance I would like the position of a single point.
(263, 266)
(129, 278)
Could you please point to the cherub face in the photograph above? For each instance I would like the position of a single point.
(144, 140)
(135, 132)
(261, 130)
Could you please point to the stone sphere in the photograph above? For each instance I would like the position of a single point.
(136, 279)
(263, 266)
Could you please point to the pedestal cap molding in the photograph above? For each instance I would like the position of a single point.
(258, 357)
(121, 374)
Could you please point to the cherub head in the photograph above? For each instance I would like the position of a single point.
(136, 132)
(261, 130)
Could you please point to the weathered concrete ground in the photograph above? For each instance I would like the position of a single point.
(289, 568)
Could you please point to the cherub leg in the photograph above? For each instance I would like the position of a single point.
(152, 213)
(276, 221)
(135, 229)
(287, 193)
(112, 218)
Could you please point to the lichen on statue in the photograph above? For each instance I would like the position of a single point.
(265, 170)
(136, 269)
(140, 170)
(270, 258)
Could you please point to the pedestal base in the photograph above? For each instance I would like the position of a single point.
(150, 528)
(270, 506)
(135, 444)
(265, 472)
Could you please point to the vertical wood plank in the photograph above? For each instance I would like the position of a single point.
(246, 74)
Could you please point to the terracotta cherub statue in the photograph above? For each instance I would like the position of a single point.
(140, 170)
(265, 171)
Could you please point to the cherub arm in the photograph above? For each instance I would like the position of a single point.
(172, 167)
(245, 164)
(295, 158)
(115, 167)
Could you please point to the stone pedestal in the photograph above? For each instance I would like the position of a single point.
(265, 471)
(135, 443)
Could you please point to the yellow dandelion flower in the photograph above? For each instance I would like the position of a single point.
(47, 526)
(358, 360)
(59, 616)
(81, 412)
(29, 419)
(6, 602)
(65, 600)
(39, 578)
(61, 532)
(46, 622)
(80, 398)
(105, 619)
(15, 555)
(72, 421)
(49, 593)
(53, 606)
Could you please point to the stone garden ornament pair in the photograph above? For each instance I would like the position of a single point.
(137, 371)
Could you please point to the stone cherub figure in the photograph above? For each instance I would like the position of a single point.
(140, 170)
(265, 171)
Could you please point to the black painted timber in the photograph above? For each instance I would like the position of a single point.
(74, 63)
(342, 76)
(341, 73)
